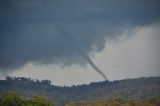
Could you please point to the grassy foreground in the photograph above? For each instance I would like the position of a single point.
(152, 101)
(11, 99)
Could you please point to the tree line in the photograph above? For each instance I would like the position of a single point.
(12, 99)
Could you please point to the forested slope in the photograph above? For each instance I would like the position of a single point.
(128, 89)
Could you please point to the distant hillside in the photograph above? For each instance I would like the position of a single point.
(128, 89)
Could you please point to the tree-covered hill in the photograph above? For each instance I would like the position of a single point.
(127, 88)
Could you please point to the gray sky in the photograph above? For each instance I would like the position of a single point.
(41, 39)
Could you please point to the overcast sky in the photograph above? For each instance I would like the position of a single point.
(58, 40)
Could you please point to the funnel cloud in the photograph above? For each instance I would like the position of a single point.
(80, 49)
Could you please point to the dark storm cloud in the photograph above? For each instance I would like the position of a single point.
(28, 30)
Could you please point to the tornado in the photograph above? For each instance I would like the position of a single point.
(87, 58)
(80, 48)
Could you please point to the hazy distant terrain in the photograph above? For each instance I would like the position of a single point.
(128, 89)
